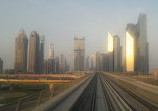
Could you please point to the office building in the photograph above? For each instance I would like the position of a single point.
(143, 56)
(62, 63)
(1, 66)
(41, 53)
(87, 63)
(79, 54)
(34, 58)
(136, 47)
(97, 61)
(57, 70)
(113, 53)
(51, 61)
(21, 46)
(92, 62)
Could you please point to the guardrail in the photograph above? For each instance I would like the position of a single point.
(29, 103)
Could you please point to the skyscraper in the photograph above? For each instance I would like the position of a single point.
(79, 54)
(51, 51)
(131, 48)
(51, 61)
(142, 44)
(113, 52)
(41, 51)
(87, 63)
(21, 45)
(93, 62)
(1, 66)
(62, 63)
(97, 61)
(137, 57)
(116, 52)
(33, 66)
(57, 65)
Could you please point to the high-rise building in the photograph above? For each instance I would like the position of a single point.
(87, 63)
(113, 53)
(136, 47)
(57, 65)
(51, 51)
(79, 54)
(34, 58)
(1, 66)
(66, 65)
(101, 65)
(106, 62)
(62, 63)
(131, 48)
(98, 61)
(51, 61)
(116, 52)
(41, 51)
(51, 66)
(92, 62)
(121, 59)
(45, 66)
(143, 58)
(21, 45)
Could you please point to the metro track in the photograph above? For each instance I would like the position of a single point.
(145, 105)
(114, 100)
(86, 102)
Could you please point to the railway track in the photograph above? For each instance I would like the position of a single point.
(86, 101)
(114, 100)
(129, 89)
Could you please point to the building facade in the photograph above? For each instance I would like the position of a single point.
(97, 61)
(34, 58)
(136, 47)
(21, 46)
(87, 63)
(113, 53)
(1, 66)
(79, 54)
(41, 53)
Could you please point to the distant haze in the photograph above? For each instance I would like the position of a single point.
(62, 20)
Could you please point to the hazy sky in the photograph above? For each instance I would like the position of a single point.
(61, 20)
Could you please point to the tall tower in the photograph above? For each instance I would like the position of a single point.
(34, 53)
(93, 62)
(1, 66)
(41, 51)
(51, 51)
(97, 61)
(57, 65)
(79, 54)
(51, 61)
(131, 48)
(21, 45)
(116, 41)
(62, 63)
(87, 63)
(113, 52)
(142, 44)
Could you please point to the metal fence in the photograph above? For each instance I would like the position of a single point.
(29, 103)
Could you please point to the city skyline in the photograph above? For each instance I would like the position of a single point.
(94, 29)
